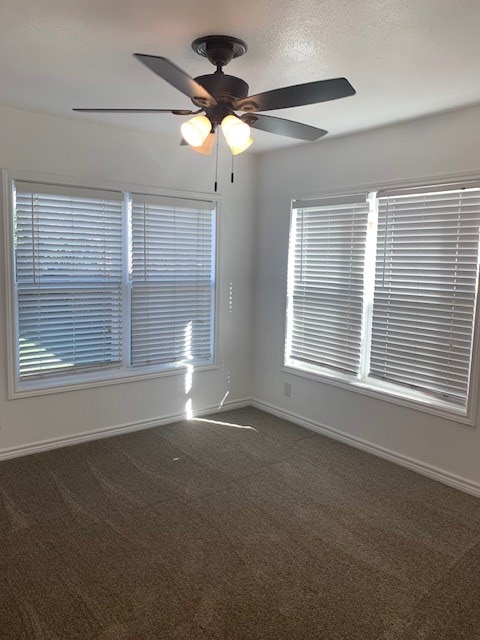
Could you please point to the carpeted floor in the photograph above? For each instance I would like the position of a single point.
(241, 526)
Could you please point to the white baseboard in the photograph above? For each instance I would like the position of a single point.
(55, 443)
(450, 479)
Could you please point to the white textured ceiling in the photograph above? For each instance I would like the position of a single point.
(405, 58)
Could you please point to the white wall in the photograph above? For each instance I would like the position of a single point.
(41, 143)
(435, 146)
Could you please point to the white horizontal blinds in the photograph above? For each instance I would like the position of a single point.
(425, 290)
(327, 295)
(173, 253)
(68, 253)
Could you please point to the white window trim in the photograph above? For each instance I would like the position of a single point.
(378, 389)
(110, 376)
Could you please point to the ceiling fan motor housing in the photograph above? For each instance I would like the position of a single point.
(223, 88)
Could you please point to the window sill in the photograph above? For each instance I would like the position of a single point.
(100, 379)
(386, 392)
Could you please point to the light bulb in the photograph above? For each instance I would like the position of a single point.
(236, 149)
(195, 131)
(236, 132)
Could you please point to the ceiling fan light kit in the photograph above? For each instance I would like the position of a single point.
(217, 96)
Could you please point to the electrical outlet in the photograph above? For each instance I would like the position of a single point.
(287, 389)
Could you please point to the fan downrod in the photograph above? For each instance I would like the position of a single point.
(219, 50)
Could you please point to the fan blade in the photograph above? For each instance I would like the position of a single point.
(283, 127)
(177, 112)
(177, 78)
(297, 95)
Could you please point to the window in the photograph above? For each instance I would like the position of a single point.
(68, 246)
(382, 291)
(328, 247)
(109, 284)
(172, 282)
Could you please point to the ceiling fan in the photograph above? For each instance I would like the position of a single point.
(218, 96)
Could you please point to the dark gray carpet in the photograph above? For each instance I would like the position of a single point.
(253, 529)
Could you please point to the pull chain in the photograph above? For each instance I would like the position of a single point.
(216, 166)
(231, 177)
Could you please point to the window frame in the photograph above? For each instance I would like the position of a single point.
(109, 376)
(378, 389)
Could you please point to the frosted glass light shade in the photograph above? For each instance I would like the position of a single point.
(195, 131)
(236, 132)
(240, 148)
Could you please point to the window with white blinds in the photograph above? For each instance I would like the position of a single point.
(68, 264)
(106, 280)
(326, 284)
(425, 290)
(385, 294)
(173, 281)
